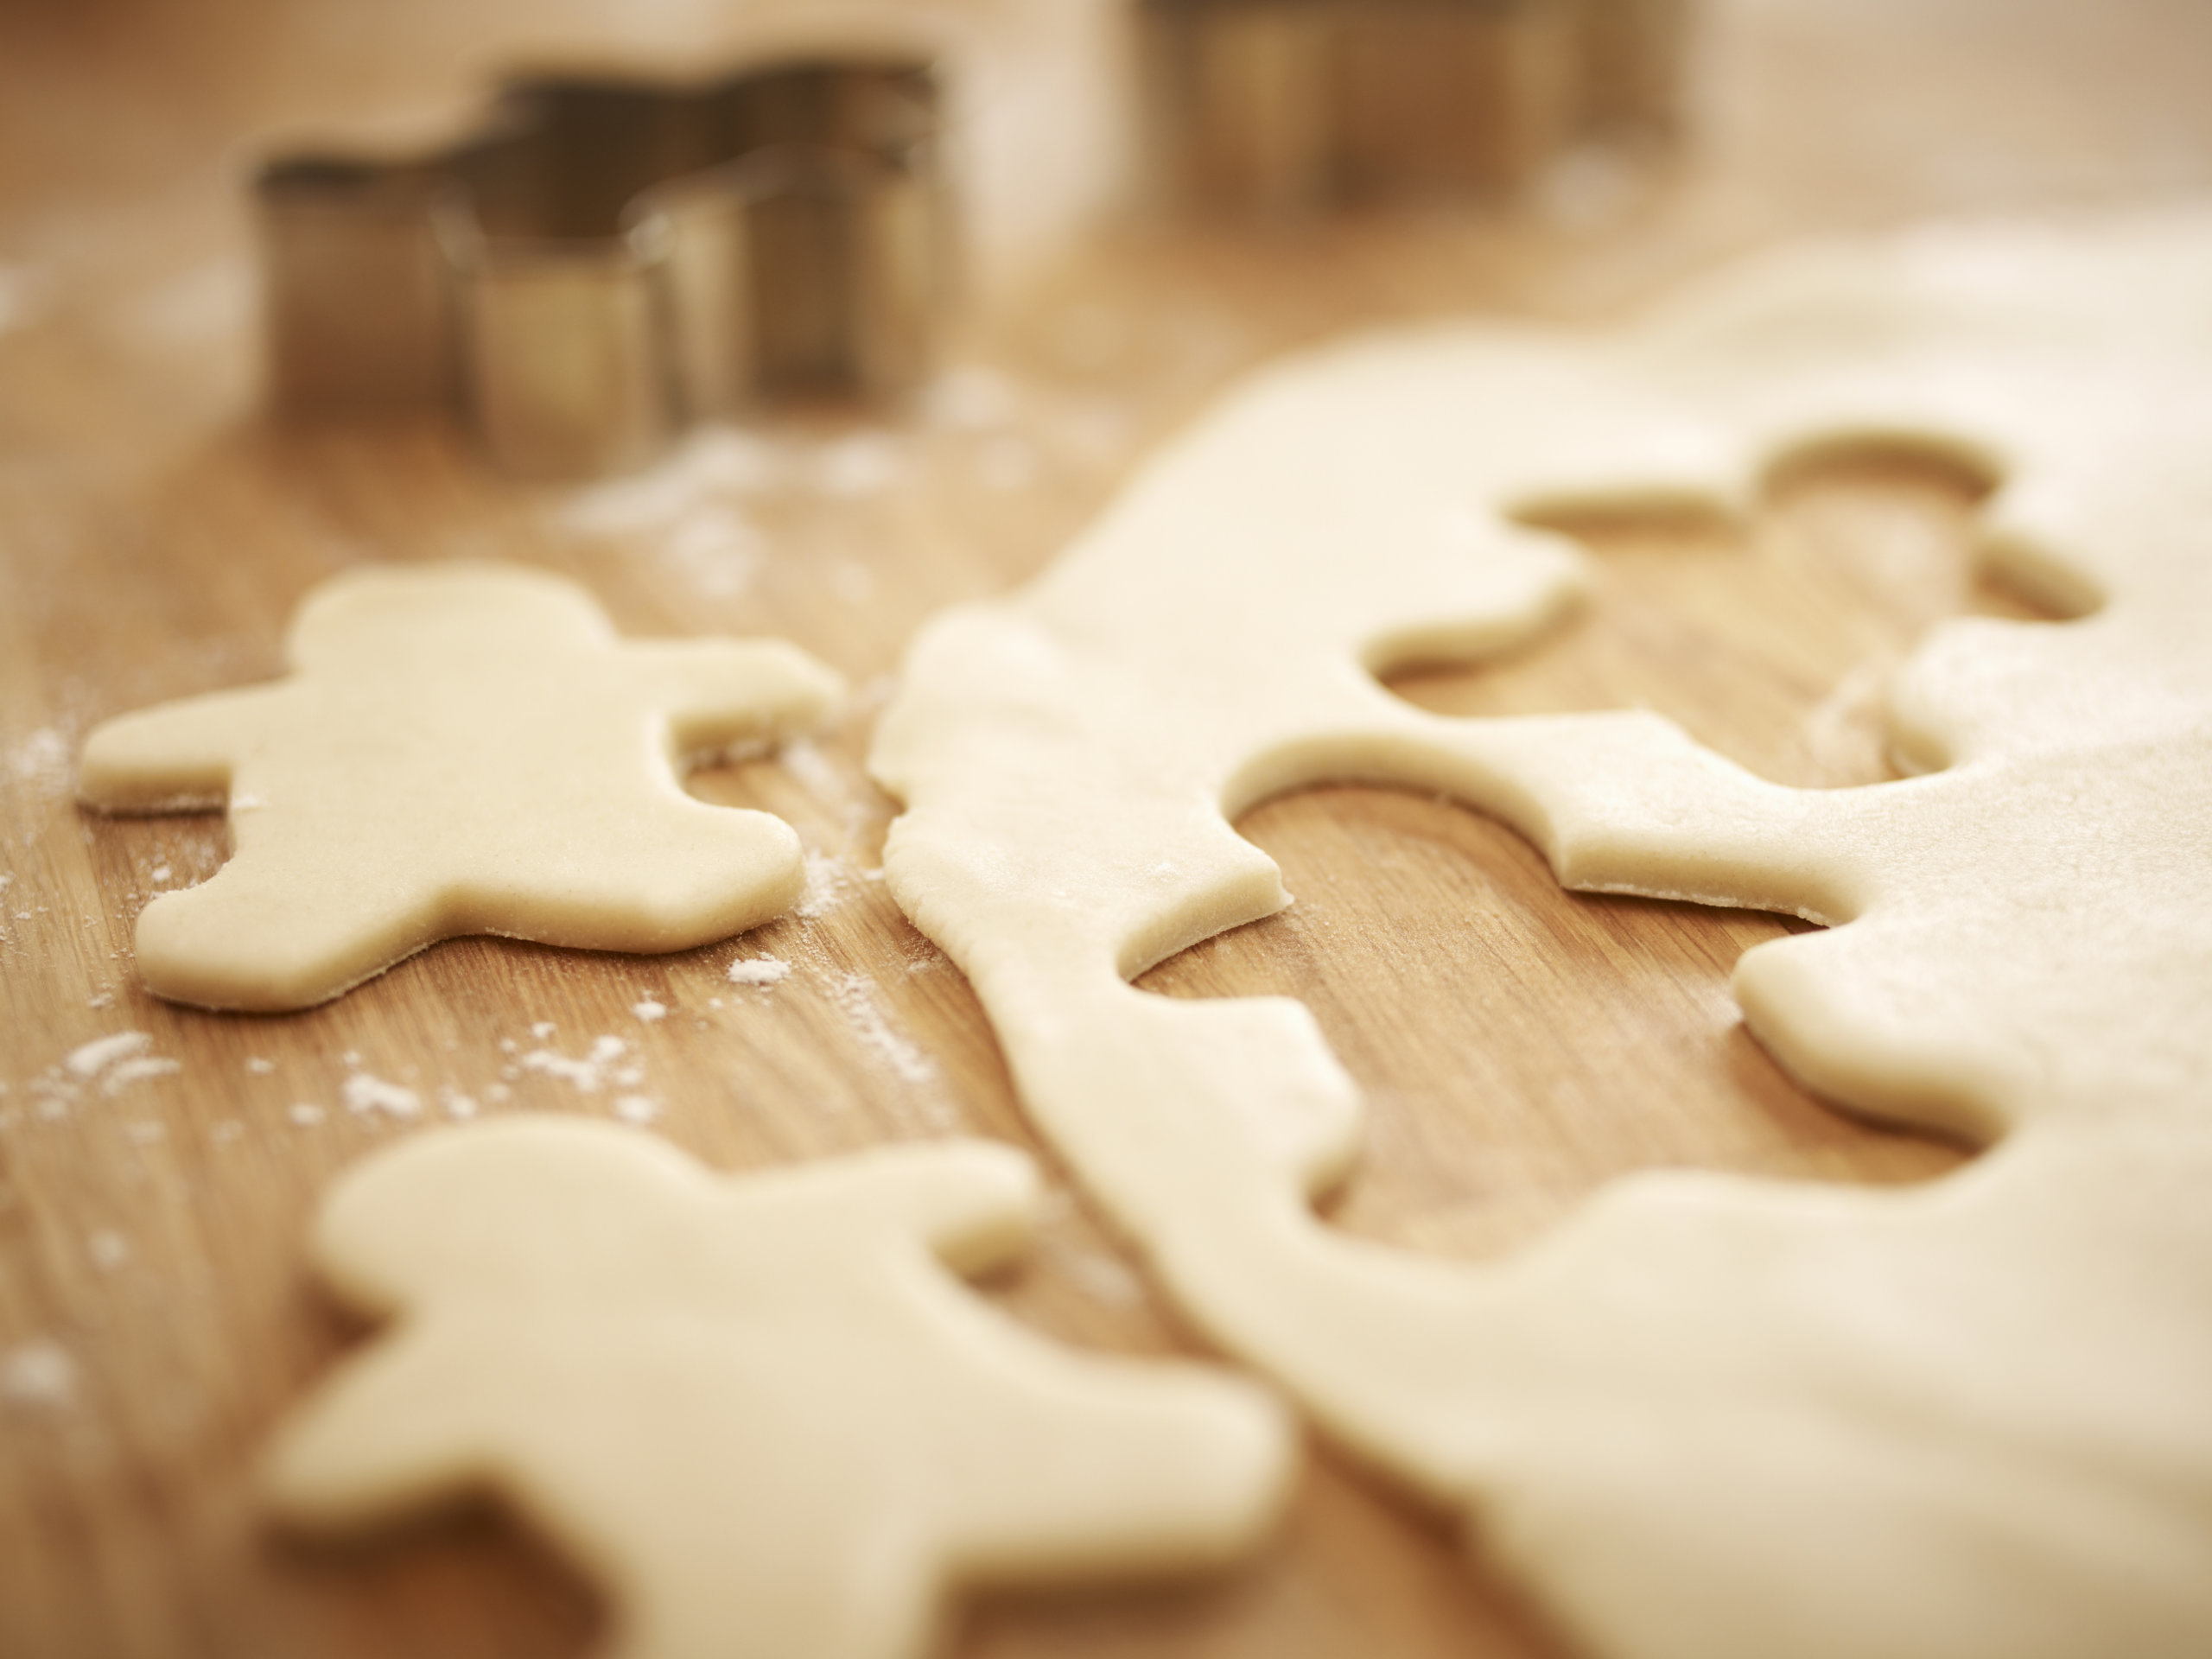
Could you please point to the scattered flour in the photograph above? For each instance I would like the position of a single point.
(856, 468)
(146, 1133)
(88, 1059)
(1588, 189)
(306, 1114)
(856, 999)
(40, 762)
(105, 999)
(714, 461)
(759, 970)
(108, 1249)
(637, 1109)
(118, 1061)
(52, 1092)
(365, 1093)
(585, 1074)
(969, 398)
(139, 1069)
(1099, 1275)
(259, 1067)
(541, 1030)
(650, 1010)
(1853, 704)
(816, 774)
(210, 302)
(715, 550)
(459, 1107)
(829, 882)
(160, 873)
(1101, 1278)
(38, 1373)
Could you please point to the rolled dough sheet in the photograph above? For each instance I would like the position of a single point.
(460, 748)
(760, 1411)
(1708, 1418)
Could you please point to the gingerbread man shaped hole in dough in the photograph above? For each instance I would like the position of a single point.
(1705, 1417)
(460, 749)
(757, 1410)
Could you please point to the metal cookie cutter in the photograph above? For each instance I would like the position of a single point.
(1284, 105)
(605, 260)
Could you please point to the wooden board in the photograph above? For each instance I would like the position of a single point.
(1519, 1045)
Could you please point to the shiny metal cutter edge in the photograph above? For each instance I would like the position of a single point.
(1286, 107)
(605, 260)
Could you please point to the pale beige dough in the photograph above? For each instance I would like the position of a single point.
(758, 1411)
(1708, 1418)
(460, 748)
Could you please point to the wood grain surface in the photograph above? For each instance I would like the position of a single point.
(1519, 1046)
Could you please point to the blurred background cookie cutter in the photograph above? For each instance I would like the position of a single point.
(605, 259)
(1275, 107)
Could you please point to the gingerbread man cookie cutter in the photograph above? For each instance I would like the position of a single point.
(607, 258)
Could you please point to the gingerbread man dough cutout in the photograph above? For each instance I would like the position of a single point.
(460, 748)
(758, 1409)
(1706, 1418)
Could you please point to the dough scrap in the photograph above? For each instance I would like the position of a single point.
(757, 1410)
(1707, 1417)
(460, 748)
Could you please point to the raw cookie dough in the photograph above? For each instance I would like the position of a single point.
(1708, 1418)
(757, 1410)
(460, 748)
